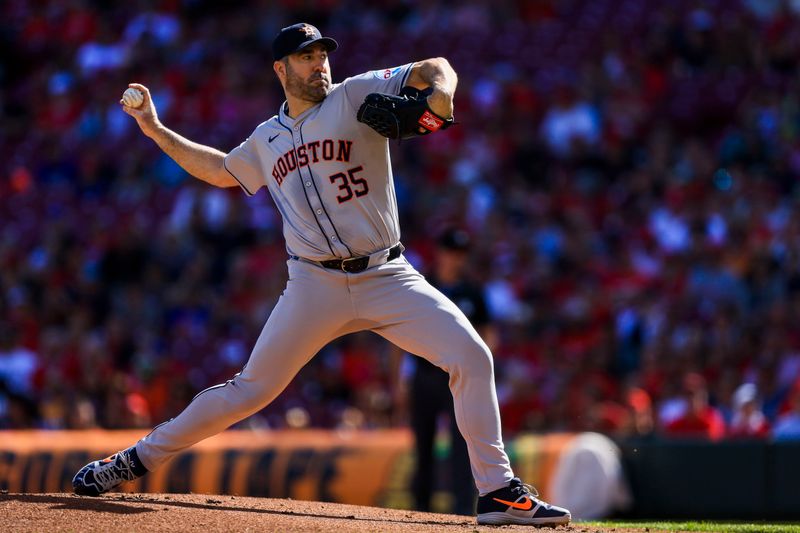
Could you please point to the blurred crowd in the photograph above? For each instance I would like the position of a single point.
(629, 173)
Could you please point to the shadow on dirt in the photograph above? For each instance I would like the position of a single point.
(78, 503)
(121, 503)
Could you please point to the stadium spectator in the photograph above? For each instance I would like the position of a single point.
(700, 419)
(748, 420)
(571, 126)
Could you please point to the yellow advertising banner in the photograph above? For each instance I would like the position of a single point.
(355, 467)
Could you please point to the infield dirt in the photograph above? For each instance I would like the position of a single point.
(124, 512)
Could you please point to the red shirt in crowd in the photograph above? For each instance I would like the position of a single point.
(707, 424)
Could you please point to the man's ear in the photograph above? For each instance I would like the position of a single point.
(280, 69)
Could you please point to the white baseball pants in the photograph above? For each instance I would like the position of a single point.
(319, 305)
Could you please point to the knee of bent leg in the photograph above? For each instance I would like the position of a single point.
(247, 397)
(474, 358)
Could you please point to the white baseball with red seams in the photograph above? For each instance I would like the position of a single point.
(132, 97)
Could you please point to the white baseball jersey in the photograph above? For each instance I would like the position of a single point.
(329, 175)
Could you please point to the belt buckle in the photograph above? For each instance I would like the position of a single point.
(357, 267)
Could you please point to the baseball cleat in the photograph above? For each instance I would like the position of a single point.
(106, 474)
(519, 504)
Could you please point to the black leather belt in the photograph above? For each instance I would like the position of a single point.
(354, 265)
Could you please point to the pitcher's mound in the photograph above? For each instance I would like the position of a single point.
(125, 512)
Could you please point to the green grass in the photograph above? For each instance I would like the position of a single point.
(716, 527)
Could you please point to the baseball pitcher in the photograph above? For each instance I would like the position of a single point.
(324, 158)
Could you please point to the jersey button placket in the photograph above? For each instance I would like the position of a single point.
(319, 211)
(316, 204)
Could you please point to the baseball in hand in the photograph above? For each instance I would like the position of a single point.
(132, 97)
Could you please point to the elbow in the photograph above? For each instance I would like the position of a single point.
(443, 65)
(447, 72)
(436, 72)
(443, 62)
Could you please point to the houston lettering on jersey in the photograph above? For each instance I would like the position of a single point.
(310, 153)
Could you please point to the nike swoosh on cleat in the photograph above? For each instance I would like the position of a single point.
(526, 506)
(273, 137)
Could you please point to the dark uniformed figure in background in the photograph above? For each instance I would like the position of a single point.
(429, 395)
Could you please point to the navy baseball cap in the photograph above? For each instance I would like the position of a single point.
(298, 36)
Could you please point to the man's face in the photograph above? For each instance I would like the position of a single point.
(308, 74)
(452, 260)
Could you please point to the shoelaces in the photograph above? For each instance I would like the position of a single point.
(524, 488)
(110, 474)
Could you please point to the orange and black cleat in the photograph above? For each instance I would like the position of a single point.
(519, 503)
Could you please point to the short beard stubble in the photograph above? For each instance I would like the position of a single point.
(302, 89)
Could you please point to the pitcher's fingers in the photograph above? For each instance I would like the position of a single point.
(145, 90)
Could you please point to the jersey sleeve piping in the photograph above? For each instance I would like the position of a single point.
(405, 77)
(241, 184)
